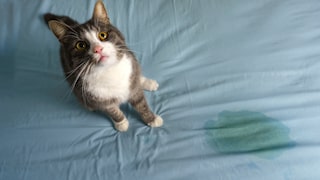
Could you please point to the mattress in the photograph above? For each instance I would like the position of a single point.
(239, 93)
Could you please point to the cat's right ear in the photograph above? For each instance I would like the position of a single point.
(100, 13)
(58, 28)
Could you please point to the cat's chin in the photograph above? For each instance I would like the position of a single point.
(103, 60)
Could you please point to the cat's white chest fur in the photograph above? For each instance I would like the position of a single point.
(107, 82)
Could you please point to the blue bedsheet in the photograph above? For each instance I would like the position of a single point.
(239, 93)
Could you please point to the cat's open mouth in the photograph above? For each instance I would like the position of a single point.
(99, 58)
(103, 58)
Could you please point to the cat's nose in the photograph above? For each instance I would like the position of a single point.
(98, 49)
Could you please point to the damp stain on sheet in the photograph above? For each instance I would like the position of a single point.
(248, 132)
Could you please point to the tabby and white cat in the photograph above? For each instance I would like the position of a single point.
(102, 72)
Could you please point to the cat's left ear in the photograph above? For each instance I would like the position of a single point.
(58, 28)
(100, 13)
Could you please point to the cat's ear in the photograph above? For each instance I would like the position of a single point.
(100, 13)
(65, 19)
(58, 28)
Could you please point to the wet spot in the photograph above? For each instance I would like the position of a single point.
(248, 132)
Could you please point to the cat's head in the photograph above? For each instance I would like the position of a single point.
(95, 41)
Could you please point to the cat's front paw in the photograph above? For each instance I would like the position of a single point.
(122, 126)
(150, 85)
(157, 122)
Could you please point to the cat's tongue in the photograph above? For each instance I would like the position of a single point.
(103, 58)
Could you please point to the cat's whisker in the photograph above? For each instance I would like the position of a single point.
(78, 76)
(123, 47)
(70, 73)
(137, 43)
(128, 50)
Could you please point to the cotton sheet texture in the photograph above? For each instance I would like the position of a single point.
(239, 93)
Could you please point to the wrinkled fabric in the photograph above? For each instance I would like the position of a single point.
(239, 93)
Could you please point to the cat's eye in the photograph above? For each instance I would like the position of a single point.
(81, 45)
(103, 36)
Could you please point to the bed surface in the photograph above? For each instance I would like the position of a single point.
(239, 93)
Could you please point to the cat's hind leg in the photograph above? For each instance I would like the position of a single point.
(148, 84)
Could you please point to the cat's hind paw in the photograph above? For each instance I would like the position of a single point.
(157, 122)
(122, 126)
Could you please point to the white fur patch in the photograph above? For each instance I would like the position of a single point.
(110, 81)
(109, 78)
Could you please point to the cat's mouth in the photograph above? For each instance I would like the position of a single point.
(99, 58)
(103, 58)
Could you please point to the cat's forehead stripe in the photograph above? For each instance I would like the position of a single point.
(89, 27)
(91, 36)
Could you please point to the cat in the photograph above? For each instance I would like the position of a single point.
(101, 70)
